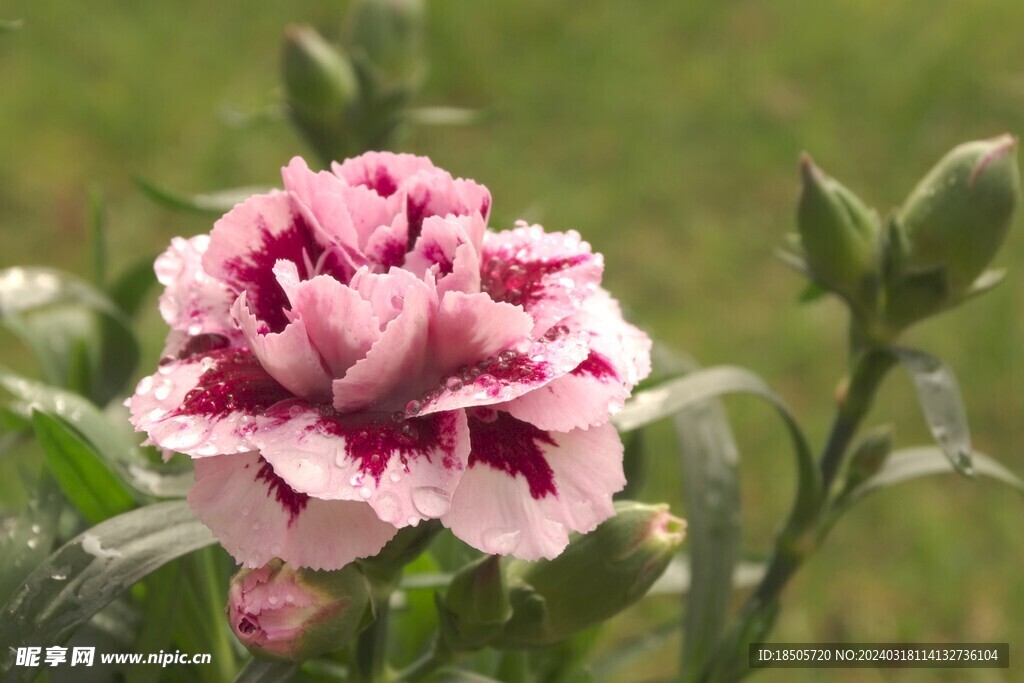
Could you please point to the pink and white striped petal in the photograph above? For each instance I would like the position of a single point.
(205, 405)
(341, 324)
(549, 274)
(598, 387)
(323, 195)
(382, 172)
(394, 366)
(436, 193)
(247, 242)
(193, 302)
(406, 470)
(509, 375)
(288, 356)
(257, 517)
(385, 292)
(525, 489)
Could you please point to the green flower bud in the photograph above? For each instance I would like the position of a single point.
(282, 613)
(476, 606)
(389, 33)
(597, 576)
(839, 234)
(958, 216)
(321, 88)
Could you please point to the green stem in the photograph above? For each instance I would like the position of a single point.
(800, 537)
(372, 646)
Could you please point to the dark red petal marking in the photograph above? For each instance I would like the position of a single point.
(435, 254)
(382, 183)
(253, 271)
(372, 439)
(235, 382)
(289, 499)
(597, 366)
(416, 212)
(512, 446)
(392, 253)
(522, 282)
(245, 627)
(203, 343)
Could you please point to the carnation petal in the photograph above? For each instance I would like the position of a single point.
(382, 172)
(549, 274)
(525, 489)
(323, 195)
(395, 364)
(288, 356)
(192, 301)
(257, 516)
(405, 469)
(206, 404)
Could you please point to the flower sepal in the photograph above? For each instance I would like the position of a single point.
(596, 577)
(285, 614)
(476, 606)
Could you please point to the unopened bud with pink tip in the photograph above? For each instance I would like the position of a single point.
(282, 613)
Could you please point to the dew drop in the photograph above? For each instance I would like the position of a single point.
(486, 382)
(365, 492)
(59, 576)
(32, 543)
(507, 356)
(500, 541)
(272, 599)
(395, 477)
(453, 384)
(307, 476)
(397, 416)
(145, 386)
(207, 364)
(356, 480)
(470, 374)
(431, 501)
(165, 366)
(208, 448)
(36, 528)
(163, 390)
(413, 407)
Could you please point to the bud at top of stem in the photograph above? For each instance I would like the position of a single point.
(476, 605)
(838, 232)
(598, 575)
(390, 35)
(282, 613)
(958, 215)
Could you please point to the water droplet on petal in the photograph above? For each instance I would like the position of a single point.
(365, 492)
(272, 599)
(308, 476)
(387, 508)
(163, 390)
(413, 407)
(453, 384)
(145, 386)
(395, 477)
(356, 479)
(501, 541)
(208, 448)
(431, 501)
(207, 364)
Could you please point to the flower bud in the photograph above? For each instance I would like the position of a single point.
(597, 576)
(282, 613)
(321, 87)
(838, 233)
(389, 33)
(958, 215)
(476, 606)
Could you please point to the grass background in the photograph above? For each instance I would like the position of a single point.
(668, 134)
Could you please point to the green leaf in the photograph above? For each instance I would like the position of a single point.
(130, 288)
(90, 571)
(696, 388)
(30, 535)
(710, 462)
(10, 26)
(51, 311)
(677, 577)
(939, 397)
(81, 473)
(444, 116)
(812, 292)
(211, 203)
(450, 675)
(626, 656)
(912, 463)
(259, 671)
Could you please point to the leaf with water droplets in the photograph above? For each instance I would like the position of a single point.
(100, 564)
(938, 394)
(93, 489)
(911, 463)
(27, 538)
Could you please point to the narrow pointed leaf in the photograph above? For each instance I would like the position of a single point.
(710, 462)
(30, 535)
(912, 463)
(129, 290)
(444, 116)
(938, 394)
(696, 388)
(81, 473)
(210, 203)
(10, 26)
(89, 572)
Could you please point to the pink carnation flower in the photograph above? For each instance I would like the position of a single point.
(359, 353)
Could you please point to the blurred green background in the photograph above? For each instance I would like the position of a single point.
(668, 134)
